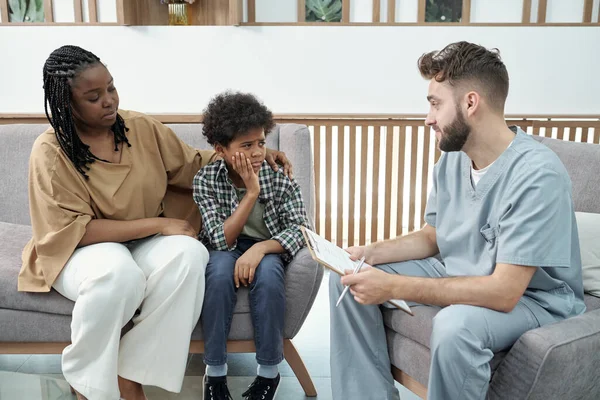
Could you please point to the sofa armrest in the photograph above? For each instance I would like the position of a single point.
(295, 142)
(302, 281)
(556, 361)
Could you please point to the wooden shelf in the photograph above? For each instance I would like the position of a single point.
(201, 12)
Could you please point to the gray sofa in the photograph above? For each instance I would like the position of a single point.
(557, 361)
(33, 323)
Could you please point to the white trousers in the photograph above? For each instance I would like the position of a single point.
(163, 276)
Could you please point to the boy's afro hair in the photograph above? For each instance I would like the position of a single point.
(231, 114)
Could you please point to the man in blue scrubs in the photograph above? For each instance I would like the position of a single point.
(499, 253)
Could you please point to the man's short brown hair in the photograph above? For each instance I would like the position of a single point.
(464, 62)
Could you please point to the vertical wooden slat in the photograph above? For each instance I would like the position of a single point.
(352, 192)
(391, 17)
(317, 155)
(363, 184)
(121, 12)
(78, 11)
(401, 171)
(48, 12)
(346, 11)
(375, 191)
(93, 10)
(425, 175)
(389, 140)
(236, 12)
(4, 11)
(328, 162)
(466, 12)
(437, 153)
(301, 11)
(526, 16)
(251, 11)
(572, 133)
(376, 10)
(588, 6)
(421, 12)
(584, 135)
(413, 177)
(340, 187)
(542, 7)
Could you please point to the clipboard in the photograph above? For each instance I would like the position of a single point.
(337, 260)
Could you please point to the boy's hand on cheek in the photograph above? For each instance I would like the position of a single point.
(243, 166)
(246, 265)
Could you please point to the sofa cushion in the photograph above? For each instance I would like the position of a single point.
(585, 180)
(591, 302)
(417, 327)
(13, 238)
(588, 226)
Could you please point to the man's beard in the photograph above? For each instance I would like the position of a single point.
(455, 135)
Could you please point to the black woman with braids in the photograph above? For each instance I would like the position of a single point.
(114, 230)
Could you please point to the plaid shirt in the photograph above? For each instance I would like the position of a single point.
(215, 195)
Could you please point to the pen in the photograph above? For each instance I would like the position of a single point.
(358, 267)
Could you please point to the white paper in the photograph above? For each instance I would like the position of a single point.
(336, 257)
(339, 260)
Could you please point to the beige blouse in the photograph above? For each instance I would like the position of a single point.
(154, 178)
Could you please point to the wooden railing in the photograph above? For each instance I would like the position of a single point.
(388, 16)
(373, 172)
(373, 175)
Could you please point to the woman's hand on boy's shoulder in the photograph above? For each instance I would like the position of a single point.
(276, 158)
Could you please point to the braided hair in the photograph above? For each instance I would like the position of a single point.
(64, 64)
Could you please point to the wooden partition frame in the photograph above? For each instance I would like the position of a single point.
(230, 12)
(144, 12)
(420, 17)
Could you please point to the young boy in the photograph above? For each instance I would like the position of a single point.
(251, 218)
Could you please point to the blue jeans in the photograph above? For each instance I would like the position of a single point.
(267, 305)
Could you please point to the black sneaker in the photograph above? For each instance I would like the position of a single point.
(262, 389)
(215, 388)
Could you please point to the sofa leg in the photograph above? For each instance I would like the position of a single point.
(297, 365)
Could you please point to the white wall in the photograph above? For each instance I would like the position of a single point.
(496, 11)
(276, 10)
(303, 69)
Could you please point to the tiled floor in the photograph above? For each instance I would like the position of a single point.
(312, 343)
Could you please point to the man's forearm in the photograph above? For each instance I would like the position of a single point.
(414, 246)
(482, 291)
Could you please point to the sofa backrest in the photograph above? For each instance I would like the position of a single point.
(582, 161)
(17, 140)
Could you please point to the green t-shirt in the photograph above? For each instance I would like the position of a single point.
(255, 225)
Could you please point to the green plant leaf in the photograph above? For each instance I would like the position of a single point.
(16, 9)
(324, 10)
(26, 10)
